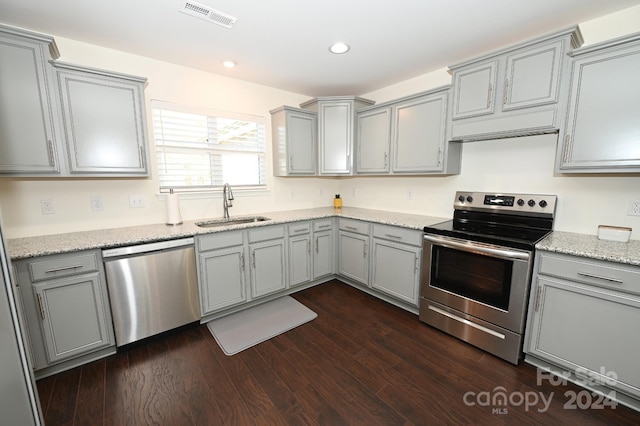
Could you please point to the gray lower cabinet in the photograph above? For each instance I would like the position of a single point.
(323, 251)
(515, 91)
(268, 262)
(395, 262)
(28, 139)
(353, 250)
(221, 265)
(584, 319)
(66, 306)
(300, 255)
(602, 132)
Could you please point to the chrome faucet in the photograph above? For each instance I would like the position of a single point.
(227, 199)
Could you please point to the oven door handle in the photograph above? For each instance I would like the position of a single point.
(472, 247)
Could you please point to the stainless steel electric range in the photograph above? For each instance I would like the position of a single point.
(476, 268)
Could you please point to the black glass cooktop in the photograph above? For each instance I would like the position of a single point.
(515, 231)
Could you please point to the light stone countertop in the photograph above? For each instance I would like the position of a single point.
(22, 248)
(590, 246)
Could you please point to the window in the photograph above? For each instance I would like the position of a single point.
(199, 149)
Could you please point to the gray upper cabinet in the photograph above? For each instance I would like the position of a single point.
(104, 121)
(602, 132)
(336, 128)
(28, 139)
(62, 120)
(407, 136)
(515, 91)
(294, 135)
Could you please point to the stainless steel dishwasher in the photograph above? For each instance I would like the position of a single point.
(152, 287)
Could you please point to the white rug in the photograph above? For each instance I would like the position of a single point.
(237, 332)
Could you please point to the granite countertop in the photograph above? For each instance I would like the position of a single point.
(590, 246)
(21, 248)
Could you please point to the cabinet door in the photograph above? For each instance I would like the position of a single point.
(420, 134)
(576, 326)
(373, 140)
(301, 143)
(222, 279)
(75, 316)
(323, 254)
(267, 268)
(395, 270)
(475, 90)
(603, 124)
(532, 76)
(299, 260)
(27, 137)
(106, 136)
(336, 137)
(353, 256)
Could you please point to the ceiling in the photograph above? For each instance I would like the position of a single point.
(284, 43)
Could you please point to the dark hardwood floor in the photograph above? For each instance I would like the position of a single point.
(360, 362)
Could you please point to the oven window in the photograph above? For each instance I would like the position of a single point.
(481, 278)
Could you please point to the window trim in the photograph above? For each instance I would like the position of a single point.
(199, 110)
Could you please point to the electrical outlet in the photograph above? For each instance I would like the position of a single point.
(96, 203)
(634, 208)
(409, 194)
(136, 201)
(47, 207)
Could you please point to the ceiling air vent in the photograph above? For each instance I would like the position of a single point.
(208, 14)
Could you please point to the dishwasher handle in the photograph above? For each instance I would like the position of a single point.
(147, 248)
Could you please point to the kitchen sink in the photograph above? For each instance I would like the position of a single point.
(231, 221)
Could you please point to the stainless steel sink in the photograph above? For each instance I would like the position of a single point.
(231, 221)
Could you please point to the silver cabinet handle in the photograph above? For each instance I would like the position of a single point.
(52, 158)
(299, 230)
(62, 268)
(477, 248)
(253, 259)
(415, 264)
(242, 260)
(41, 304)
(600, 277)
(364, 251)
(317, 250)
(385, 159)
(538, 297)
(397, 237)
(353, 228)
(489, 95)
(506, 90)
(567, 148)
(143, 159)
(309, 247)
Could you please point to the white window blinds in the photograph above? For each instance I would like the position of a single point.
(199, 149)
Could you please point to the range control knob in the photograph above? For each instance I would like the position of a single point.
(542, 203)
(531, 203)
(520, 202)
(469, 198)
(461, 198)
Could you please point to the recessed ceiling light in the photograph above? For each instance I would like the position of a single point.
(339, 48)
(229, 64)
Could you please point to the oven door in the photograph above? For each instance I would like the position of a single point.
(485, 281)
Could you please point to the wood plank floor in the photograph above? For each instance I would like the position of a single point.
(361, 362)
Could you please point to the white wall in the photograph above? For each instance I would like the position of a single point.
(510, 165)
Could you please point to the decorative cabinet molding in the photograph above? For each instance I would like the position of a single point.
(63, 120)
(294, 136)
(516, 91)
(602, 131)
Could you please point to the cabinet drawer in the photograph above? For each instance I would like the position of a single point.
(299, 228)
(64, 266)
(220, 240)
(354, 226)
(400, 235)
(322, 225)
(266, 233)
(590, 271)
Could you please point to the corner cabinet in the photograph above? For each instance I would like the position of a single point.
(294, 136)
(602, 132)
(66, 307)
(407, 136)
(512, 92)
(63, 120)
(29, 137)
(104, 121)
(336, 128)
(579, 311)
